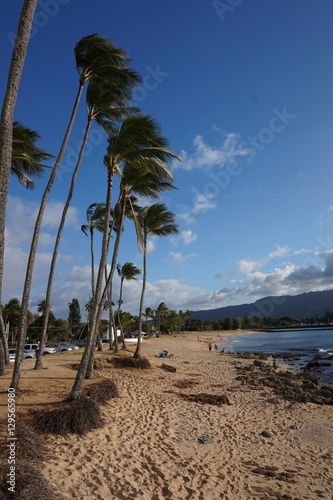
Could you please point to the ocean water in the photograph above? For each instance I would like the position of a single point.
(303, 344)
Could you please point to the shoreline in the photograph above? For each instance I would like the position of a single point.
(149, 447)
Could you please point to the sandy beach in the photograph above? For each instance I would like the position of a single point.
(150, 448)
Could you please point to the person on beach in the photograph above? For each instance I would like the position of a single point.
(210, 346)
(216, 347)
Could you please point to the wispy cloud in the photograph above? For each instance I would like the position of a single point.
(246, 266)
(188, 236)
(205, 156)
(179, 258)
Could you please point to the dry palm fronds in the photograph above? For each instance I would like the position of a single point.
(74, 417)
(28, 445)
(101, 392)
(140, 363)
(30, 484)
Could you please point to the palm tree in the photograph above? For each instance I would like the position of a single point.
(144, 172)
(110, 80)
(160, 311)
(6, 134)
(154, 220)
(148, 314)
(126, 272)
(95, 214)
(26, 156)
(137, 143)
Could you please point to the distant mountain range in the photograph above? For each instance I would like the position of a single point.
(305, 305)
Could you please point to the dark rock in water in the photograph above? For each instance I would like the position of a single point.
(266, 434)
(257, 362)
(206, 439)
(315, 365)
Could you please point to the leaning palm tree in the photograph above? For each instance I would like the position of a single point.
(98, 62)
(106, 103)
(95, 215)
(154, 220)
(26, 156)
(146, 176)
(137, 143)
(6, 133)
(126, 272)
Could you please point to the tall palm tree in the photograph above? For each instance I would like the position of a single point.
(154, 220)
(6, 134)
(137, 142)
(126, 272)
(160, 311)
(26, 156)
(100, 63)
(148, 314)
(144, 173)
(106, 103)
(95, 214)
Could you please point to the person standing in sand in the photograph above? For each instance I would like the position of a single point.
(210, 346)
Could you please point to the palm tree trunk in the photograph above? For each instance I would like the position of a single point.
(39, 360)
(4, 338)
(88, 355)
(33, 249)
(92, 262)
(6, 129)
(108, 284)
(137, 353)
(118, 312)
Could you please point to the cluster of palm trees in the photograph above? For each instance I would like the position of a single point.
(137, 154)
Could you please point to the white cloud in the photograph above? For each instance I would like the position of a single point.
(187, 217)
(248, 266)
(179, 258)
(279, 252)
(206, 156)
(188, 236)
(203, 203)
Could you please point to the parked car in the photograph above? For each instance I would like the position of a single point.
(60, 347)
(26, 354)
(70, 346)
(81, 343)
(35, 347)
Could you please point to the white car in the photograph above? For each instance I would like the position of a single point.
(26, 354)
(35, 347)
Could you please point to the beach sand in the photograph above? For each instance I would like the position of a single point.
(149, 447)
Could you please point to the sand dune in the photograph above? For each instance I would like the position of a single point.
(149, 448)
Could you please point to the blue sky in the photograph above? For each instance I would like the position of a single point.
(243, 91)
